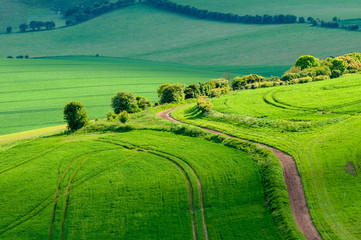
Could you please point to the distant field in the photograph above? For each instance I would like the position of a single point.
(142, 32)
(135, 185)
(15, 12)
(33, 92)
(319, 125)
(321, 8)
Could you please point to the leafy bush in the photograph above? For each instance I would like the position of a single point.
(216, 92)
(336, 74)
(305, 79)
(310, 72)
(111, 115)
(169, 93)
(338, 64)
(321, 78)
(240, 82)
(75, 115)
(125, 101)
(322, 70)
(143, 102)
(205, 89)
(307, 61)
(204, 105)
(352, 64)
(267, 84)
(289, 76)
(123, 117)
(192, 91)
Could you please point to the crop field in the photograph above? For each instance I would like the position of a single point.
(319, 125)
(308, 8)
(34, 92)
(142, 32)
(133, 185)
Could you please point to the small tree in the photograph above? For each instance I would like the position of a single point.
(23, 27)
(9, 29)
(125, 101)
(307, 61)
(143, 102)
(171, 93)
(192, 91)
(123, 117)
(75, 115)
(338, 64)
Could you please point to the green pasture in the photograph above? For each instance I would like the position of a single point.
(133, 185)
(325, 10)
(34, 91)
(319, 125)
(143, 32)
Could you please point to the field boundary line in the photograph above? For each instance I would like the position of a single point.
(298, 202)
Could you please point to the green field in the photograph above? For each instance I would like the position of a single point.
(319, 125)
(143, 32)
(325, 10)
(34, 92)
(13, 13)
(134, 185)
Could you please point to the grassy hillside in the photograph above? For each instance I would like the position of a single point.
(146, 33)
(322, 9)
(13, 13)
(318, 124)
(34, 92)
(134, 185)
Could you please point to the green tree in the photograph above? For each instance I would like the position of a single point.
(123, 117)
(192, 91)
(75, 115)
(124, 101)
(9, 29)
(171, 93)
(143, 102)
(338, 64)
(23, 27)
(307, 61)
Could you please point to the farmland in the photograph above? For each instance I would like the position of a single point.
(143, 32)
(137, 185)
(35, 91)
(316, 123)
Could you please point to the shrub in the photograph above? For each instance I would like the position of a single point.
(267, 84)
(352, 64)
(75, 115)
(215, 92)
(320, 78)
(322, 70)
(310, 72)
(336, 74)
(192, 91)
(307, 61)
(125, 101)
(111, 115)
(305, 79)
(240, 82)
(143, 102)
(205, 89)
(218, 83)
(295, 81)
(204, 105)
(338, 64)
(123, 117)
(289, 76)
(171, 93)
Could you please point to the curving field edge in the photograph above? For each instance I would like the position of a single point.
(295, 190)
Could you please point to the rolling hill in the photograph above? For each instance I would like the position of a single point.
(318, 124)
(143, 32)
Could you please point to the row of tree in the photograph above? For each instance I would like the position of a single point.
(219, 16)
(80, 14)
(34, 26)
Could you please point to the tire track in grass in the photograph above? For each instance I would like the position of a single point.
(186, 176)
(300, 210)
(56, 197)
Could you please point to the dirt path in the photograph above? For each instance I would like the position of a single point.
(293, 181)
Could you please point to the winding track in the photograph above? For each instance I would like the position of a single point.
(292, 178)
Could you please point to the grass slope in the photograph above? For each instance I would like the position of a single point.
(15, 12)
(129, 186)
(318, 124)
(322, 9)
(146, 33)
(34, 92)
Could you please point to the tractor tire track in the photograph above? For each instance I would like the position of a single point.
(300, 210)
(186, 176)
